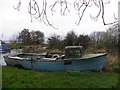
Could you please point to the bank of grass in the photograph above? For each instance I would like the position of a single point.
(16, 46)
(0, 77)
(13, 77)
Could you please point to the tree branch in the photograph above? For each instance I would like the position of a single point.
(79, 5)
(103, 15)
(18, 6)
(62, 3)
(34, 11)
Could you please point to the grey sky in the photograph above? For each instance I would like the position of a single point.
(13, 21)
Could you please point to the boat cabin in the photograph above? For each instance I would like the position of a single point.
(73, 51)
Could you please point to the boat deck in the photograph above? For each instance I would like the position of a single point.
(84, 57)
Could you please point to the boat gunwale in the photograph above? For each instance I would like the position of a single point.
(18, 59)
(104, 54)
(57, 60)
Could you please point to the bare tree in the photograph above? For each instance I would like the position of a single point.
(79, 5)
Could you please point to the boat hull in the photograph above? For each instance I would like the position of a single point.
(49, 66)
(77, 64)
(95, 64)
(15, 62)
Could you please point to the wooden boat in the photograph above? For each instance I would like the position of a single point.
(73, 59)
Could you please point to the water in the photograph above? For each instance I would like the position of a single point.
(2, 62)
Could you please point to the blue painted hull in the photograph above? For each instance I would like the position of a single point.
(81, 64)
(48, 66)
(13, 62)
(89, 64)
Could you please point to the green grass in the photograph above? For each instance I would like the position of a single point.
(0, 77)
(16, 46)
(13, 77)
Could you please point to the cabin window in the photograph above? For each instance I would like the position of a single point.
(77, 52)
(67, 62)
(74, 53)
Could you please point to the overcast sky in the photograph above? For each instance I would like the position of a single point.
(13, 21)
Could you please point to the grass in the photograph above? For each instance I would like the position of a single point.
(0, 77)
(20, 78)
(16, 46)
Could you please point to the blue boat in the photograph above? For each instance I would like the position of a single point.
(5, 48)
(72, 59)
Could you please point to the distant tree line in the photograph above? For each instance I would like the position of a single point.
(71, 39)
(26, 37)
(107, 40)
